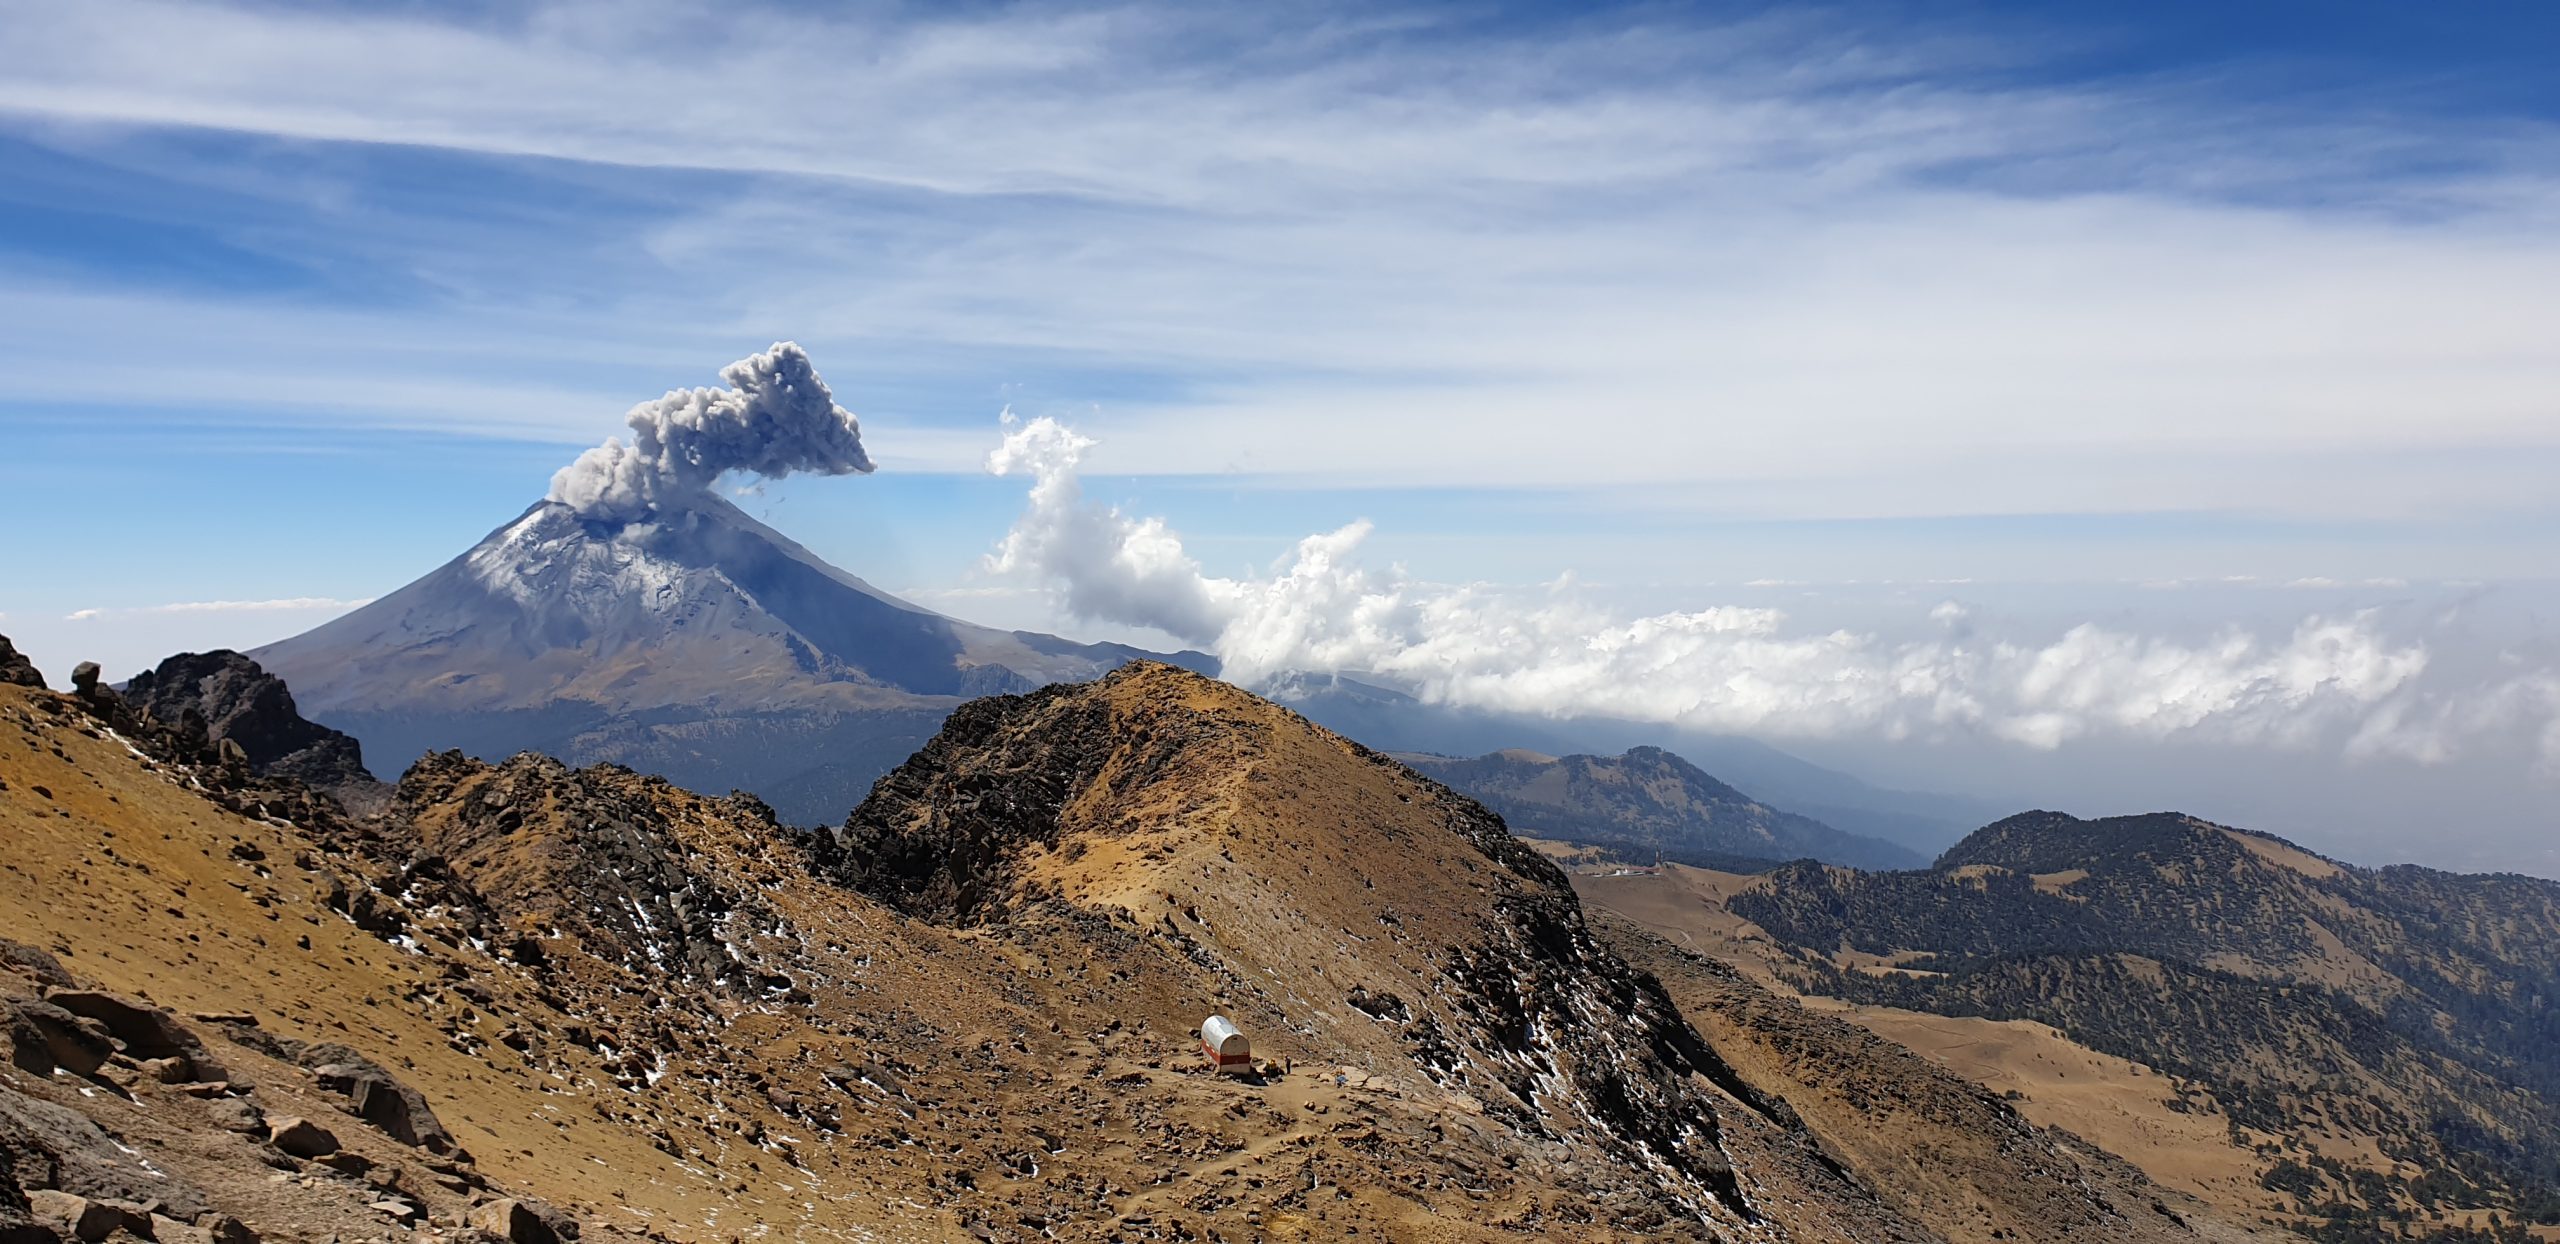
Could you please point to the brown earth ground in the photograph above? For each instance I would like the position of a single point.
(647, 1008)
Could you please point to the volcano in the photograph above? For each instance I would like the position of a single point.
(690, 641)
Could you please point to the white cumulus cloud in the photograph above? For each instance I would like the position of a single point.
(219, 606)
(1321, 609)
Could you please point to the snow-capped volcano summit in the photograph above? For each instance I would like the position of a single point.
(635, 616)
(697, 606)
(692, 640)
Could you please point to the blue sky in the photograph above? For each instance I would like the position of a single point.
(297, 300)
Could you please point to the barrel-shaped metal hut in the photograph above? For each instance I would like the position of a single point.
(1226, 1047)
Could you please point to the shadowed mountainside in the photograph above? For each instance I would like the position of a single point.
(1648, 801)
(2392, 1034)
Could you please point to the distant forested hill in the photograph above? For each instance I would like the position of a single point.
(1649, 800)
(2321, 1002)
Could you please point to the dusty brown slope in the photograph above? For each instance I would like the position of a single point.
(969, 1017)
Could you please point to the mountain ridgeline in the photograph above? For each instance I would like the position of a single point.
(691, 641)
(1649, 802)
(966, 1009)
(531, 1002)
(2317, 1001)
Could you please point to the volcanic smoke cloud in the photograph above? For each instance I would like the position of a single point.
(2334, 681)
(775, 418)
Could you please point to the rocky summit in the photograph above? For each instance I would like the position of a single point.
(527, 1001)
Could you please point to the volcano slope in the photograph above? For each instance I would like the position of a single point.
(967, 1014)
(690, 641)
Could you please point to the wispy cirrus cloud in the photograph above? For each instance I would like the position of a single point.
(1799, 265)
(282, 604)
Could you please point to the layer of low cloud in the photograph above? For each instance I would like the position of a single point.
(776, 418)
(2331, 681)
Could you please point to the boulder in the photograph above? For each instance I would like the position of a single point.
(513, 1220)
(84, 679)
(43, 1036)
(18, 1224)
(400, 1111)
(234, 1115)
(301, 1137)
(167, 1230)
(395, 1208)
(350, 1164)
(86, 1219)
(225, 1229)
(377, 1096)
(145, 1031)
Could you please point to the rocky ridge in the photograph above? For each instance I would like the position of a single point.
(967, 1014)
(1521, 1012)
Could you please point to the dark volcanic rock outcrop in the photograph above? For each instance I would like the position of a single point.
(48, 1146)
(222, 695)
(940, 835)
(373, 1093)
(607, 868)
(15, 668)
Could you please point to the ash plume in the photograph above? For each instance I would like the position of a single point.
(776, 417)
